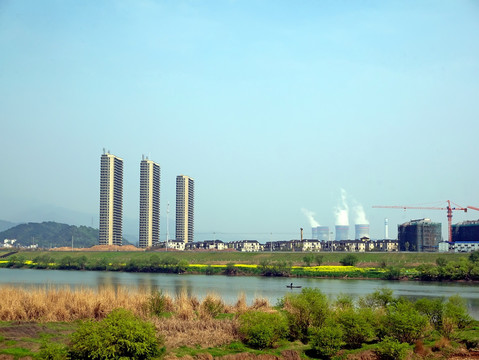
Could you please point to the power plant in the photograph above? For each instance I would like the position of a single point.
(320, 233)
(362, 231)
(342, 232)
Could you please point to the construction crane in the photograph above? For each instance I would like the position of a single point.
(448, 208)
(473, 208)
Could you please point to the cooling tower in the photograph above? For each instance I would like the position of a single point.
(342, 232)
(323, 233)
(362, 230)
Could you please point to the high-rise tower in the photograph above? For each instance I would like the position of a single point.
(149, 203)
(185, 193)
(111, 199)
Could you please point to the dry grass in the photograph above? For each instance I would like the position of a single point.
(202, 332)
(50, 304)
(65, 304)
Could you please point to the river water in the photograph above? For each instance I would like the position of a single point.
(231, 287)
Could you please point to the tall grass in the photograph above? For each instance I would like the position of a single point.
(64, 304)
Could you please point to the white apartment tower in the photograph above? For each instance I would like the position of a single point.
(185, 193)
(149, 203)
(111, 199)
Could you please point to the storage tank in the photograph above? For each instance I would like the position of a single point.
(342, 232)
(323, 233)
(362, 230)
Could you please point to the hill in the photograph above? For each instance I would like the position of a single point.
(52, 234)
(4, 225)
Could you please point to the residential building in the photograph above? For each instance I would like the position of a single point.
(185, 193)
(246, 245)
(111, 199)
(149, 203)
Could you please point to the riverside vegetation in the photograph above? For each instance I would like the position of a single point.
(47, 323)
(391, 266)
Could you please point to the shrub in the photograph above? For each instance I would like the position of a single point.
(349, 260)
(327, 340)
(231, 269)
(52, 351)
(356, 326)
(378, 299)
(120, 335)
(404, 323)
(262, 330)
(433, 309)
(159, 304)
(455, 310)
(212, 306)
(182, 266)
(391, 349)
(309, 308)
(474, 256)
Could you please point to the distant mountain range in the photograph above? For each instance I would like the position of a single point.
(4, 225)
(52, 234)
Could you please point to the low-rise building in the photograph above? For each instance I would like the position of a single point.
(465, 246)
(206, 245)
(246, 245)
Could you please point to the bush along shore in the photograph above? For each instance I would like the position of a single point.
(45, 323)
(465, 268)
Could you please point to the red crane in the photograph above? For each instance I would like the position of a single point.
(448, 208)
(473, 208)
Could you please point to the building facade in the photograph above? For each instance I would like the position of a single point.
(185, 210)
(111, 200)
(419, 235)
(149, 203)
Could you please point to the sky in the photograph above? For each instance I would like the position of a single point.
(277, 109)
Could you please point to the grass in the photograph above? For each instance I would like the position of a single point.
(407, 260)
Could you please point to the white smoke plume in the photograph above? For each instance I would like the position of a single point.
(310, 215)
(360, 215)
(342, 210)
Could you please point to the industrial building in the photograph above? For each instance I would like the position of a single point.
(149, 203)
(420, 235)
(185, 193)
(111, 199)
(467, 231)
(362, 231)
(342, 232)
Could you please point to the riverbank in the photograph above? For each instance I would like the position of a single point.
(202, 329)
(449, 267)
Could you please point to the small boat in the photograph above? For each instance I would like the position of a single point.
(291, 286)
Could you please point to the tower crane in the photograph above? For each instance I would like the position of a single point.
(473, 208)
(448, 208)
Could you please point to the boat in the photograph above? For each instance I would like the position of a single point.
(291, 286)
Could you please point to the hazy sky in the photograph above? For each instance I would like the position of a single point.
(271, 106)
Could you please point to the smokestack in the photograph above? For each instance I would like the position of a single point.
(386, 228)
(342, 232)
(301, 234)
(362, 230)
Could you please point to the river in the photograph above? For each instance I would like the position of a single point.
(230, 287)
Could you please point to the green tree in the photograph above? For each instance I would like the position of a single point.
(433, 309)
(440, 261)
(308, 259)
(455, 311)
(349, 260)
(319, 259)
(121, 335)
